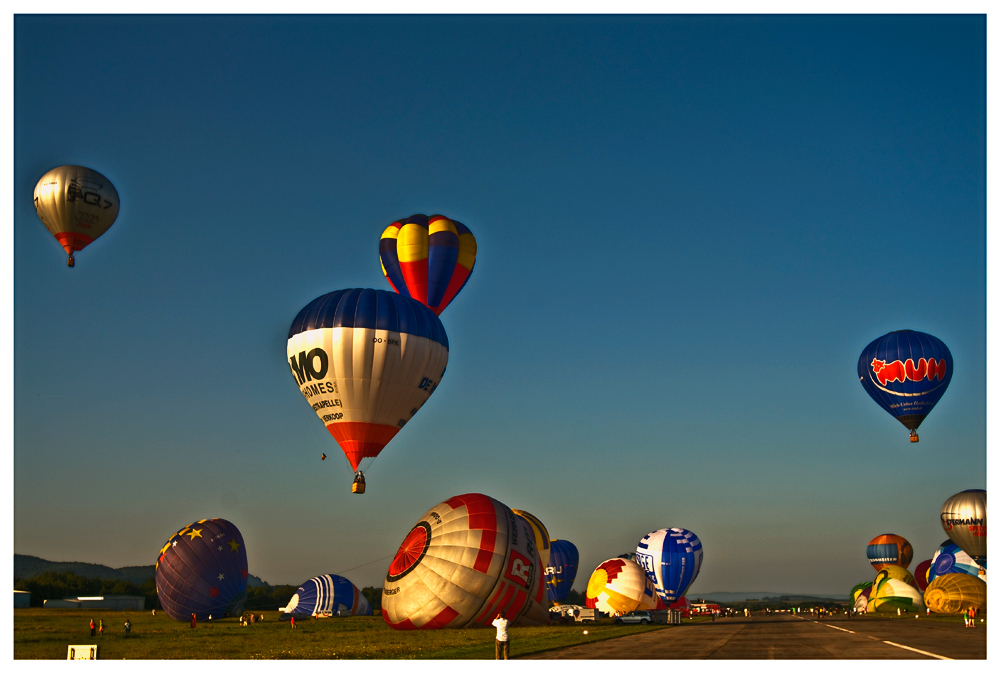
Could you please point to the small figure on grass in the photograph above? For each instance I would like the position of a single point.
(128, 627)
(503, 641)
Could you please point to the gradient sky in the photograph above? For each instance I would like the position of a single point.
(688, 226)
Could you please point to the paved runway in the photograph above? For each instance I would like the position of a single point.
(791, 637)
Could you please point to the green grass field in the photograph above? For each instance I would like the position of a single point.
(45, 633)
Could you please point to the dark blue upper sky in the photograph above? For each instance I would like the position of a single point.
(689, 227)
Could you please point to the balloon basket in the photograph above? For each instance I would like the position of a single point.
(71, 262)
(358, 487)
(914, 437)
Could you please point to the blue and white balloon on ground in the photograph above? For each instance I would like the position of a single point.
(672, 559)
(328, 595)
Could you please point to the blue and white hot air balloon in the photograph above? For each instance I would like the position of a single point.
(950, 558)
(328, 595)
(672, 559)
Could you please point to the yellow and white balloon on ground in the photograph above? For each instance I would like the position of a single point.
(542, 540)
(77, 205)
(618, 586)
(895, 589)
(466, 560)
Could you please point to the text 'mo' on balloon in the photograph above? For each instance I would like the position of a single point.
(906, 373)
(466, 560)
(429, 259)
(366, 361)
(77, 205)
(202, 569)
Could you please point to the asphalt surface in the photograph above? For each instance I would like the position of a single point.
(792, 637)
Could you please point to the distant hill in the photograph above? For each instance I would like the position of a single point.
(26, 567)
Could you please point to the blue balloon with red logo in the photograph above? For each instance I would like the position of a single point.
(202, 571)
(564, 559)
(906, 373)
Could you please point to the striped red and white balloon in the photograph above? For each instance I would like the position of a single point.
(466, 560)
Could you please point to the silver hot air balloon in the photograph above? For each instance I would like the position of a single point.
(963, 517)
(76, 204)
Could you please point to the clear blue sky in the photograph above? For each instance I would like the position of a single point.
(689, 227)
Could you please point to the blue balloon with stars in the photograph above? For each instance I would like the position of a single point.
(202, 571)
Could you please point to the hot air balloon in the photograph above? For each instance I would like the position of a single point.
(326, 596)
(542, 541)
(906, 373)
(951, 594)
(76, 205)
(894, 588)
(889, 549)
(920, 574)
(466, 560)
(861, 600)
(951, 559)
(857, 592)
(672, 559)
(202, 569)
(564, 559)
(428, 259)
(366, 361)
(963, 517)
(618, 586)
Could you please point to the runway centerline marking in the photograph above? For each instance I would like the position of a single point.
(913, 649)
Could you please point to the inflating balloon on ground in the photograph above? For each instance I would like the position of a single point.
(542, 541)
(466, 560)
(328, 595)
(951, 594)
(564, 559)
(202, 570)
(618, 586)
(672, 559)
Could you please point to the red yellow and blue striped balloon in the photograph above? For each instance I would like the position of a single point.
(429, 259)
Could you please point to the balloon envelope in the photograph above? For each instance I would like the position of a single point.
(672, 558)
(920, 574)
(861, 600)
(429, 259)
(464, 561)
(202, 569)
(328, 595)
(889, 549)
(963, 517)
(951, 559)
(890, 595)
(76, 204)
(951, 594)
(542, 541)
(906, 373)
(564, 559)
(366, 361)
(618, 586)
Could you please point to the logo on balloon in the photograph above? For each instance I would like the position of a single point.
(901, 371)
(519, 569)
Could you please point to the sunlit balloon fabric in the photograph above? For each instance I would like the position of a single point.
(894, 573)
(366, 361)
(889, 549)
(202, 569)
(618, 586)
(542, 541)
(951, 594)
(922, 574)
(76, 204)
(672, 559)
(889, 595)
(906, 373)
(861, 598)
(564, 559)
(951, 559)
(428, 258)
(467, 559)
(328, 595)
(963, 517)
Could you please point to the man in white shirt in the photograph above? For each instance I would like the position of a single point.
(503, 644)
